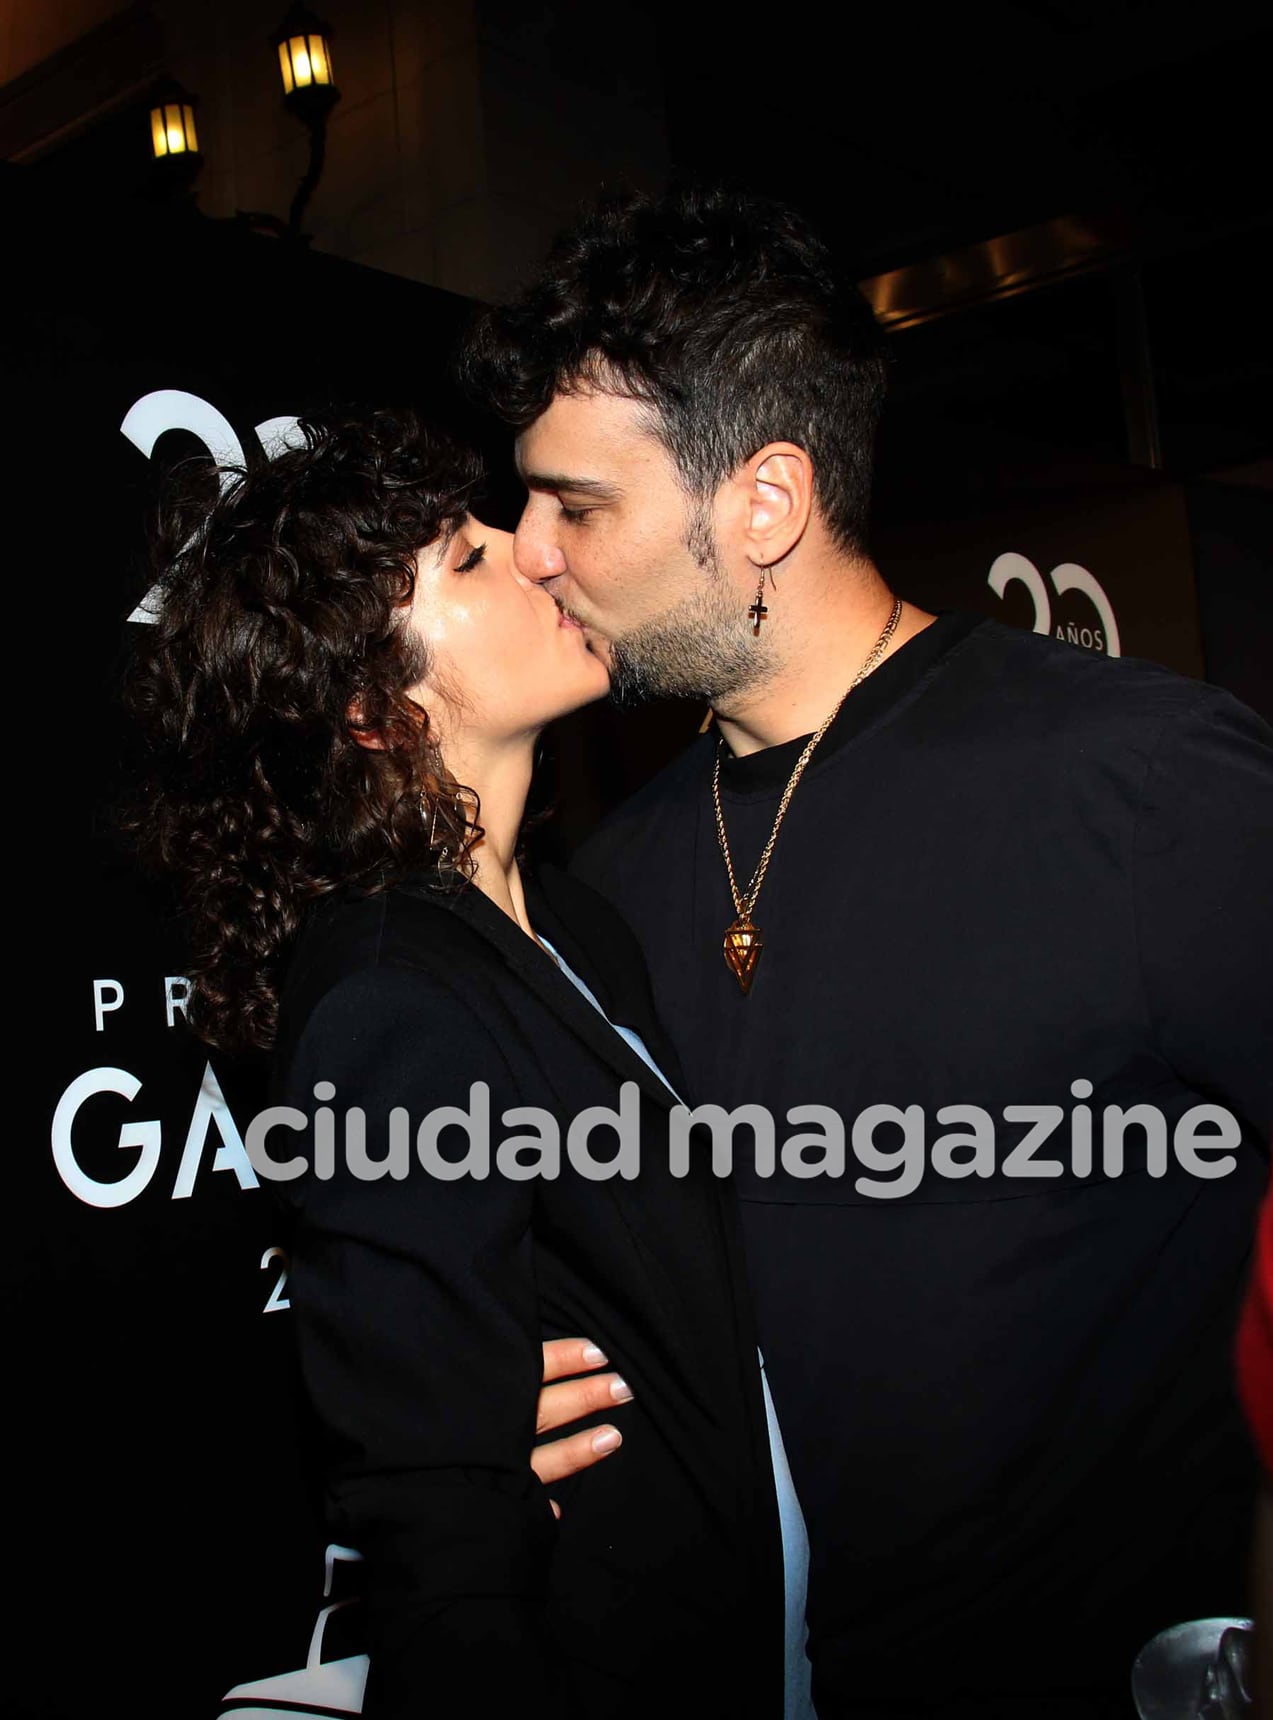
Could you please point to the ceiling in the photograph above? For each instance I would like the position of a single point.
(910, 134)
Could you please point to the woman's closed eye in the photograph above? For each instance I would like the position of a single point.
(471, 560)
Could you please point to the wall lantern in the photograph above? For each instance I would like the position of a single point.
(174, 141)
(304, 51)
(172, 128)
(305, 61)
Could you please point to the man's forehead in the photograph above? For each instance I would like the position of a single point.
(587, 435)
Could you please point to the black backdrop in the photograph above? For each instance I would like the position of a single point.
(162, 1540)
(161, 1531)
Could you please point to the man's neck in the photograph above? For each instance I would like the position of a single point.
(828, 630)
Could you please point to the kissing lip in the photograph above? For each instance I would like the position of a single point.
(565, 618)
(591, 640)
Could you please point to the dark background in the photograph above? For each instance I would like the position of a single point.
(161, 1510)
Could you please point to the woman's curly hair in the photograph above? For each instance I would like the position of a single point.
(279, 640)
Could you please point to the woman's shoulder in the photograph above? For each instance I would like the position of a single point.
(400, 936)
(402, 921)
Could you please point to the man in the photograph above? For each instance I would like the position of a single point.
(998, 873)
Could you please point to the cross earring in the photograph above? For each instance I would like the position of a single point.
(758, 611)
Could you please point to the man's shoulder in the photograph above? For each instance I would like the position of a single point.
(1050, 717)
(1073, 669)
(1026, 683)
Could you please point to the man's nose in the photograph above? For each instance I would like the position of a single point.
(536, 556)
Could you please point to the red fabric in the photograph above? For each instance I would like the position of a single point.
(1255, 1341)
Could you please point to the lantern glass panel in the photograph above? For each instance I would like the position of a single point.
(158, 133)
(174, 129)
(285, 66)
(320, 60)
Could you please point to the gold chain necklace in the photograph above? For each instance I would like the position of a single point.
(743, 942)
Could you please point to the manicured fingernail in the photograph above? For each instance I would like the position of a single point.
(593, 1356)
(556, 1509)
(609, 1439)
(621, 1391)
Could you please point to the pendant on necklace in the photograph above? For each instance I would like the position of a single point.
(743, 944)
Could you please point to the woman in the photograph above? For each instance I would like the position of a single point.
(346, 685)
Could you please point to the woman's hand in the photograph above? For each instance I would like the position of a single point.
(567, 1401)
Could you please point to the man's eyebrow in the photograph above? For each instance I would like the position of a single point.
(554, 481)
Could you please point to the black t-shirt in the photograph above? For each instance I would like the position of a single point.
(1011, 866)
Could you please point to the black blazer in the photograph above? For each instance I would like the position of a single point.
(420, 1305)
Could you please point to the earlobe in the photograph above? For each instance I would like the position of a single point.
(355, 717)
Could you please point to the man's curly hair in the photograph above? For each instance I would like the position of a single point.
(279, 639)
(722, 311)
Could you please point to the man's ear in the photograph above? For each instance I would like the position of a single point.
(777, 497)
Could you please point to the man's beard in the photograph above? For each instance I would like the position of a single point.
(704, 649)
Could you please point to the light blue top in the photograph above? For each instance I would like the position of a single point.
(798, 1703)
